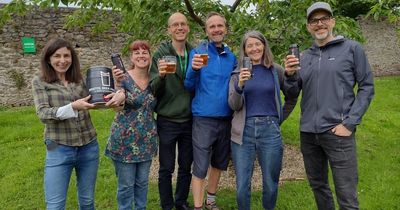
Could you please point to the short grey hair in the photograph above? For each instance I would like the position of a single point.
(211, 14)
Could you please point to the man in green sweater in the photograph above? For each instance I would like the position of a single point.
(174, 116)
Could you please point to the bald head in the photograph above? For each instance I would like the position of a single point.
(175, 16)
(178, 27)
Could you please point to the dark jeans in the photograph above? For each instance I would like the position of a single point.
(211, 144)
(170, 135)
(340, 152)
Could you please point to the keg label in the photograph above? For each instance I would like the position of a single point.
(105, 79)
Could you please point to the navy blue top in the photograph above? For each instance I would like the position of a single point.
(259, 93)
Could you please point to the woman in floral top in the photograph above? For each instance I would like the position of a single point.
(133, 140)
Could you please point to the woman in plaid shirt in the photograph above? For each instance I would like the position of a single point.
(61, 101)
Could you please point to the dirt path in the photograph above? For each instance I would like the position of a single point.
(293, 169)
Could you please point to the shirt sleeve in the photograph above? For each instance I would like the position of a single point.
(192, 76)
(66, 112)
(157, 83)
(235, 98)
(44, 111)
(365, 91)
(290, 102)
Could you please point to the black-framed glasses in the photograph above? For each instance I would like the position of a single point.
(315, 21)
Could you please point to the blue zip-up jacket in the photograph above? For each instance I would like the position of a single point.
(327, 79)
(210, 84)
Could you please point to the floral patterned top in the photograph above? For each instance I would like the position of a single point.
(133, 132)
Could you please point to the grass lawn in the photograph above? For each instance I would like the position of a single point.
(22, 159)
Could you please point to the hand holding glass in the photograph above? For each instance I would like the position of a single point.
(294, 50)
(203, 51)
(247, 64)
(171, 64)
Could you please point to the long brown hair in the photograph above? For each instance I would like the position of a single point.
(267, 59)
(48, 73)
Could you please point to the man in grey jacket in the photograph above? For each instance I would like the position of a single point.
(327, 73)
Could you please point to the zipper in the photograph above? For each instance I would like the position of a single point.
(341, 114)
(316, 98)
(219, 62)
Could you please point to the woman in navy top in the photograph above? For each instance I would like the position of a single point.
(254, 95)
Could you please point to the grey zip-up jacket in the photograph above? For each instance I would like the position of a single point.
(327, 79)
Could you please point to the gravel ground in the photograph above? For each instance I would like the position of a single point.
(293, 169)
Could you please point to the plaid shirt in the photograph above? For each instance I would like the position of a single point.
(48, 97)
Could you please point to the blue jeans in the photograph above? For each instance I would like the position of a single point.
(133, 182)
(261, 139)
(60, 161)
(318, 150)
(173, 134)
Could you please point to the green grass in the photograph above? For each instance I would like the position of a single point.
(22, 158)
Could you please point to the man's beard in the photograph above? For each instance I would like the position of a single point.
(323, 36)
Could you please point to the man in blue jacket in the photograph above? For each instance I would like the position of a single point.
(211, 112)
(330, 109)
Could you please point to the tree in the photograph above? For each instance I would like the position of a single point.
(282, 22)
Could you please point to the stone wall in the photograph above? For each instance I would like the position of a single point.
(382, 46)
(17, 68)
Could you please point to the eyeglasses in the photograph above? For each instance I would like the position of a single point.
(176, 25)
(315, 21)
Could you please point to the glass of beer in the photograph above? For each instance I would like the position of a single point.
(205, 59)
(202, 50)
(171, 64)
